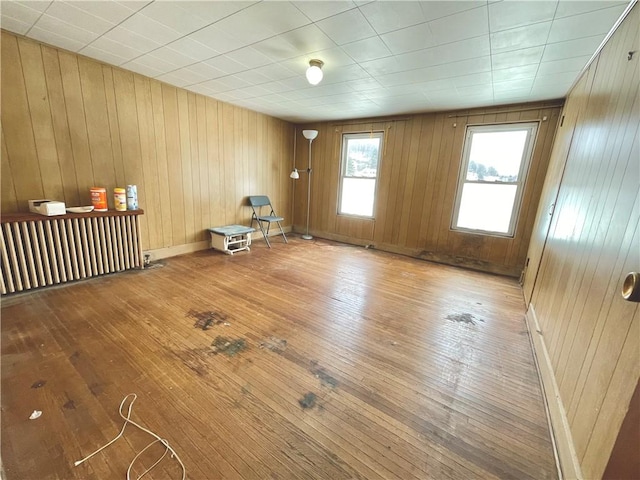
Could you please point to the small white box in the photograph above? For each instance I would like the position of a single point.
(47, 207)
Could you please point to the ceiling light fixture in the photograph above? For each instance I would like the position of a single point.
(314, 72)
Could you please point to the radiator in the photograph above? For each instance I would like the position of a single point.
(38, 251)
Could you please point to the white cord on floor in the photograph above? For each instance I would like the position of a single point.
(127, 419)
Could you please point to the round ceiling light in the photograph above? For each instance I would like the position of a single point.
(314, 72)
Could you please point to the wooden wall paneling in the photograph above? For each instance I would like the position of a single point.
(600, 171)
(114, 125)
(251, 181)
(174, 163)
(591, 333)
(97, 122)
(414, 218)
(72, 89)
(428, 205)
(403, 207)
(325, 161)
(216, 178)
(548, 197)
(130, 138)
(452, 157)
(238, 145)
(203, 174)
(161, 165)
(9, 201)
(198, 195)
(40, 112)
(152, 236)
(394, 150)
(185, 160)
(19, 138)
(228, 161)
(385, 185)
(57, 103)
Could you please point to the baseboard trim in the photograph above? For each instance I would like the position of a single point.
(160, 253)
(566, 458)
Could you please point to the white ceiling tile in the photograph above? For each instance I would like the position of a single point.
(387, 16)
(111, 47)
(275, 71)
(450, 52)
(572, 48)
(520, 85)
(172, 57)
(263, 20)
(185, 76)
(563, 78)
(152, 62)
(224, 84)
(70, 14)
(142, 69)
(105, 56)
(202, 89)
(517, 58)
(39, 5)
(53, 38)
(295, 43)
(319, 10)
(275, 87)
(219, 40)
(173, 16)
(467, 24)
(584, 25)
(13, 25)
(127, 37)
(515, 73)
(514, 95)
(346, 27)
(571, 7)
(461, 68)
(565, 65)
(345, 73)
(211, 12)
(192, 48)
(483, 78)
(252, 77)
(149, 28)
(382, 66)
(433, 10)
(111, 12)
(518, 13)
(66, 30)
(521, 37)
(225, 64)
(363, 84)
(176, 78)
(484, 90)
(204, 70)
(367, 49)
(21, 11)
(409, 39)
(249, 57)
(134, 5)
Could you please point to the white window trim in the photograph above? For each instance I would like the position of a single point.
(343, 165)
(523, 173)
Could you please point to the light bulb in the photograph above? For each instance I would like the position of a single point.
(314, 72)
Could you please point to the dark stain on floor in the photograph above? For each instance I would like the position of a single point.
(70, 405)
(228, 346)
(275, 344)
(463, 318)
(204, 320)
(308, 400)
(326, 380)
(39, 383)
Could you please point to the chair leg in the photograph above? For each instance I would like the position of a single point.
(282, 232)
(264, 234)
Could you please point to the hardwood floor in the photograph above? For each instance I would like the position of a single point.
(419, 370)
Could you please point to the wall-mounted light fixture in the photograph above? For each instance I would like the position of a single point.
(314, 72)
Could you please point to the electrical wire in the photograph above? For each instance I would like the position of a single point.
(127, 420)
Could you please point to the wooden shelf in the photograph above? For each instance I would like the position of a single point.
(33, 217)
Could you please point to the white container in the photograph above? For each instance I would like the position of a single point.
(132, 197)
(47, 207)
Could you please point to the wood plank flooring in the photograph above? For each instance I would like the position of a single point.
(419, 370)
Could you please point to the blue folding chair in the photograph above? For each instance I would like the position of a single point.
(258, 203)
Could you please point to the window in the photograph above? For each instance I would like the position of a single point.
(495, 161)
(359, 173)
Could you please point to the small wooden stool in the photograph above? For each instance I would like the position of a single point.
(231, 238)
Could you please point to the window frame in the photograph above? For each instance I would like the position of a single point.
(532, 128)
(343, 167)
